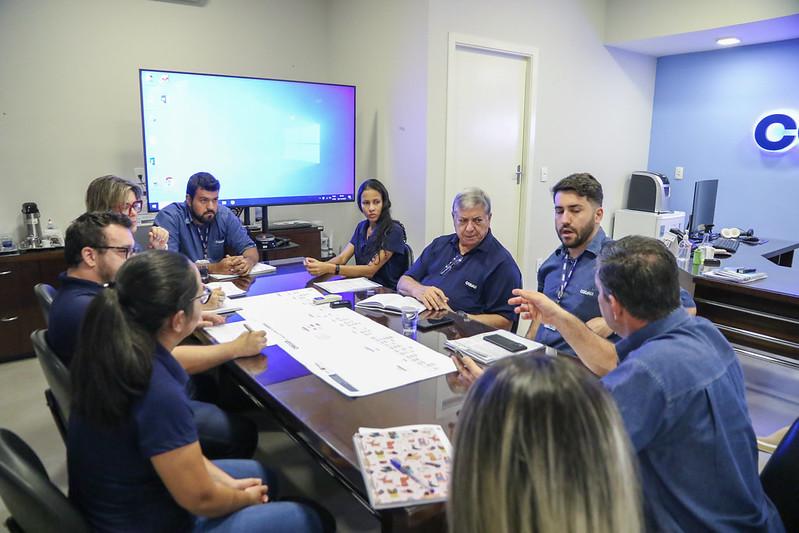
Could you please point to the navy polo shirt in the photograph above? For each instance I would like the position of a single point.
(680, 390)
(580, 296)
(481, 284)
(225, 232)
(111, 478)
(66, 314)
(394, 242)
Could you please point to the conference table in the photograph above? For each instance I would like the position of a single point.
(323, 420)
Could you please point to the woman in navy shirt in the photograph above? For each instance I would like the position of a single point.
(132, 452)
(378, 242)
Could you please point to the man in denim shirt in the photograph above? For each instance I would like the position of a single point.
(679, 388)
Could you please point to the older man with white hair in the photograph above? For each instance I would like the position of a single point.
(468, 270)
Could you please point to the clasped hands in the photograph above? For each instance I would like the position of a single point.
(233, 264)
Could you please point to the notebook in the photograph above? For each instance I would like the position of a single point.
(728, 274)
(391, 303)
(402, 466)
(257, 270)
(486, 352)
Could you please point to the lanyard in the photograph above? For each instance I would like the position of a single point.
(204, 239)
(564, 276)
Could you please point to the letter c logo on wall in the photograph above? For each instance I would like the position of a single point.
(776, 131)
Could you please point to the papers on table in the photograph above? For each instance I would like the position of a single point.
(352, 353)
(226, 310)
(257, 270)
(230, 332)
(391, 303)
(230, 290)
(347, 285)
(487, 353)
(729, 274)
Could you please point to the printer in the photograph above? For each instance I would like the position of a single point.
(649, 191)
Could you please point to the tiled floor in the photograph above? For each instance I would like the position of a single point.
(23, 410)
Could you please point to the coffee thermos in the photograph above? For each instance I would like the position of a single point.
(32, 226)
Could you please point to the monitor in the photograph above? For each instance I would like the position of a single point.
(268, 141)
(704, 207)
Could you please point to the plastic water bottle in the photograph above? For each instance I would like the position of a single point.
(52, 236)
(684, 253)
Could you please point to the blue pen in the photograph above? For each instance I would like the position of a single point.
(407, 471)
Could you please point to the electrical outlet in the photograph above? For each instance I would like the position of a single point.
(678, 173)
(544, 173)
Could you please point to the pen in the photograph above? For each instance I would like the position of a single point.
(407, 471)
(248, 328)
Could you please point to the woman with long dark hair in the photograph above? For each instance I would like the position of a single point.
(132, 452)
(378, 242)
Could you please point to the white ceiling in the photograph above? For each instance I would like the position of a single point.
(762, 31)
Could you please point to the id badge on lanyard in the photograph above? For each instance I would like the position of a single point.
(565, 277)
(204, 239)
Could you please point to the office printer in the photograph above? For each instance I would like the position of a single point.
(649, 191)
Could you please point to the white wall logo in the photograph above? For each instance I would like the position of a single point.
(776, 131)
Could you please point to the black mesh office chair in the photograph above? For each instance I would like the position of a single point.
(409, 254)
(780, 478)
(34, 502)
(59, 395)
(44, 295)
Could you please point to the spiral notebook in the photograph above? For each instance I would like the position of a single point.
(404, 466)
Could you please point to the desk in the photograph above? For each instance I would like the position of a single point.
(762, 316)
(323, 420)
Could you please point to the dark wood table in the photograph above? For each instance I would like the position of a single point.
(323, 420)
(763, 315)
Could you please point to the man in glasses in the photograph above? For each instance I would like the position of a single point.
(118, 195)
(95, 247)
(200, 228)
(468, 271)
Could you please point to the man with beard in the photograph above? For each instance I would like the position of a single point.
(200, 228)
(567, 276)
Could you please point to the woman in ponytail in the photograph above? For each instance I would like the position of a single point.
(378, 242)
(132, 451)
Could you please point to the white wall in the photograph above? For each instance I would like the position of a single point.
(381, 46)
(69, 103)
(629, 20)
(593, 108)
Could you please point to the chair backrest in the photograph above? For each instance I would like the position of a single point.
(780, 478)
(44, 295)
(409, 254)
(56, 374)
(33, 501)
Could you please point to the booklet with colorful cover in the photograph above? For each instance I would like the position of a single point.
(404, 466)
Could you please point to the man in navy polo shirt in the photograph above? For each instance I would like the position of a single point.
(200, 228)
(469, 270)
(680, 391)
(567, 276)
(95, 247)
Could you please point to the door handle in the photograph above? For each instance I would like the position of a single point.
(518, 174)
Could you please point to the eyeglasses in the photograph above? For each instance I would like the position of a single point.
(205, 296)
(135, 206)
(124, 251)
(454, 262)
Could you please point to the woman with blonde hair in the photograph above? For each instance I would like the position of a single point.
(118, 195)
(540, 447)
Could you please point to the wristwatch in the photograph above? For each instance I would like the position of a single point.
(338, 268)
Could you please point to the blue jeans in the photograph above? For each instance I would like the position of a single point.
(272, 517)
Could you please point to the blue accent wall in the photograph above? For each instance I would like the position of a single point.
(705, 108)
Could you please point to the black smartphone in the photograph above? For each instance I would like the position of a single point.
(504, 342)
(341, 303)
(430, 323)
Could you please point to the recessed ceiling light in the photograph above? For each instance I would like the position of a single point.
(728, 41)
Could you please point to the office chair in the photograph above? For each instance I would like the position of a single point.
(44, 295)
(59, 395)
(409, 255)
(780, 478)
(34, 502)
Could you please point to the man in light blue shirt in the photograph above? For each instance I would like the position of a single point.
(200, 228)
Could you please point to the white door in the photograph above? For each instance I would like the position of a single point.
(488, 117)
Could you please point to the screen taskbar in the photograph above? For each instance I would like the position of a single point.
(284, 200)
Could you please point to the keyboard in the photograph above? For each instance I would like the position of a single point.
(731, 245)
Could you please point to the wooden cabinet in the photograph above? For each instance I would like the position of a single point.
(19, 311)
(304, 242)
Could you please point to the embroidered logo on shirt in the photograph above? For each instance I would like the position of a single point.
(586, 292)
(470, 284)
